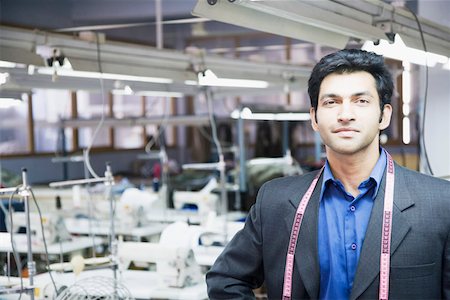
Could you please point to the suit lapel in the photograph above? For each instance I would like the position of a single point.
(369, 260)
(306, 254)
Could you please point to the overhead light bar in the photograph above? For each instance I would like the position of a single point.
(4, 78)
(9, 102)
(208, 78)
(127, 90)
(328, 23)
(255, 15)
(160, 94)
(247, 114)
(98, 75)
(399, 51)
(8, 64)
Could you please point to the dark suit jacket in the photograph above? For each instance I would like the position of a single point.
(420, 247)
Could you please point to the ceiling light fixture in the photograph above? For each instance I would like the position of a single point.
(208, 78)
(399, 51)
(9, 102)
(4, 78)
(128, 91)
(247, 114)
(160, 94)
(98, 75)
(8, 64)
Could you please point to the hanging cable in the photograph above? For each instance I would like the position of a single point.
(221, 163)
(212, 122)
(45, 242)
(13, 244)
(102, 119)
(161, 130)
(421, 132)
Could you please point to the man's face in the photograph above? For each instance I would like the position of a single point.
(348, 113)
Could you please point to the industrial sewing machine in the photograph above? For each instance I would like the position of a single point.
(52, 227)
(204, 200)
(173, 255)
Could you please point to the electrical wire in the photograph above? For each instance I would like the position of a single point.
(13, 245)
(223, 193)
(421, 139)
(102, 119)
(161, 130)
(213, 122)
(90, 219)
(205, 134)
(45, 242)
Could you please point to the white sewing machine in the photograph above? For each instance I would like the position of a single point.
(130, 210)
(175, 262)
(134, 205)
(53, 225)
(204, 200)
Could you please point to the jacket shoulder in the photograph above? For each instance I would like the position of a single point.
(422, 180)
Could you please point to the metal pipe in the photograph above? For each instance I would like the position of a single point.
(77, 182)
(159, 32)
(7, 190)
(26, 197)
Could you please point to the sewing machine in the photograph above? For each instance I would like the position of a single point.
(130, 210)
(53, 227)
(204, 200)
(173, 255)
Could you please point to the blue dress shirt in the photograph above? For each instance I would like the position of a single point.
(343, 222)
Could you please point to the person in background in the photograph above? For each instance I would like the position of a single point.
(362, 227)
(121, 183)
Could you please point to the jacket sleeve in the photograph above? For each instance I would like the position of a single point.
(239, 268)
(446, 270)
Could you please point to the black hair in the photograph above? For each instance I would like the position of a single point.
(349, 61)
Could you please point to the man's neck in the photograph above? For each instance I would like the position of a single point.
(351, 170)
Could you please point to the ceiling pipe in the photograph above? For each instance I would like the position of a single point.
(159, 31)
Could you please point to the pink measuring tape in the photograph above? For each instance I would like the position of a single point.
(385, 236)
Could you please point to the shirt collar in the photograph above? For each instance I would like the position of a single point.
(377, 173)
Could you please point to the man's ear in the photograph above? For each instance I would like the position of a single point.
(385, 117)
(312, 114)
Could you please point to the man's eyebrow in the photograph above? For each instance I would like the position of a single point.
(363, 93)
(329, 96)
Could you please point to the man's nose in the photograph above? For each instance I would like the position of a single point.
(346, 113)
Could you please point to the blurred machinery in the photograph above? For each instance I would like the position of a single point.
(173, 255)
(50, 226)
(203, 200)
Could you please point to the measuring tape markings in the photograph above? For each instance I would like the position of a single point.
(385, 236)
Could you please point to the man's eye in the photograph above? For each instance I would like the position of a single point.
(363, 100)
(329, 102)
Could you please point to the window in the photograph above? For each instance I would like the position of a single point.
(126, 106)
(14, 130)
(92, 106)
(49, 106)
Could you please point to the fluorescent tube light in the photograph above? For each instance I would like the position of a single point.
(208, 78)
(125, 91)
(3, 78)
(128, 91)
(399, 51)
(160, 94)
(247, 114)
(8, 64)
(98, 75)
(9, 102)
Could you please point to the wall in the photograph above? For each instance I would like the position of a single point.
(41, 170)
(437, 122)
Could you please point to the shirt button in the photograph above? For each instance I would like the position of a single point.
(352, 208)
(353, 246)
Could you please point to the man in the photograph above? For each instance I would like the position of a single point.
(363, 208)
